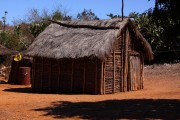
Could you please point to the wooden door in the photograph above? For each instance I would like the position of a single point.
(134, 73)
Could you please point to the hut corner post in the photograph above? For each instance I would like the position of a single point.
(125, 60)
(72, 75)
(59, 75)
(84, 75)
(50, 76)
(142, 73)
(41, 86)
(102, 86)
(33, 74)
(114, 71)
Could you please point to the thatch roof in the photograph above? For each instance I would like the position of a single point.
(5, 51)
(77, 39)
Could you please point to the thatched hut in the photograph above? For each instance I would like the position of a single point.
(4, 71)
(92, 57)
(6, 51)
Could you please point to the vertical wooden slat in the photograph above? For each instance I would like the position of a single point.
(50, 73)
(42, 73)
(129, 75)
(102, 78)
(114, 71)
(132, 74)
(72, 75)
(122, 62)
(139, 73)
(96, 74)
(135, 73)
(126, 59)
(33, 73)
(104, 75)
(142, 78)
(59, 75)
(84, 76)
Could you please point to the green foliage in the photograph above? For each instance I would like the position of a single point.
(57, 15)
(149, 29)
(113, 16)
(26, 30)
(17, 40)
(160, 26)
(166, 14)
(87, 15)
(37, 28)
(10, 40)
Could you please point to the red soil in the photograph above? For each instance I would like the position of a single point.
(160, 99)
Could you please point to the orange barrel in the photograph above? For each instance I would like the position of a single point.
(24, 75)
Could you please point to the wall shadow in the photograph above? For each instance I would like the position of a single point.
(116, 109)
(3, 82)
(30, 90)
(19, 90)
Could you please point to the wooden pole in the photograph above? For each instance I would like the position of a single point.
(104, 75)
(84, 26)
(125, 66)
(72, 75)
(84, 76)
(122, 62)
(102, 78)
(142, 78)
(126, 59)
(33, 73)
(59, 75)
(42, 75)
(50, 75)
(114, 71)
(96, 77)
(122, 10)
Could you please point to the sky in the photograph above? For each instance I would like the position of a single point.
(18, 9)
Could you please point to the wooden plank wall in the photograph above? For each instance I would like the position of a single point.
(67, 75)
(123, 68)
(135, 74)
(136, 64)
(113, 69)
(109, 72)
(121, 71)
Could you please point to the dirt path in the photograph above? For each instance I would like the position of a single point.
(160, 99)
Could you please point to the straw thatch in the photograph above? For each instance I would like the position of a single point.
(77, 39)
(5, 51)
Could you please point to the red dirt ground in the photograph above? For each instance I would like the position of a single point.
(160, 99)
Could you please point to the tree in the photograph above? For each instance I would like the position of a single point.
(149, 29)
(38, 22)
(113, 16)
(33, 16)
(87, 15)
(4, 20)
(19, 39)
(166, 15)
(160, 25)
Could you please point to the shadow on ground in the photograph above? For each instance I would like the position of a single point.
(19, 90)
(116, 109)
(3, 82)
